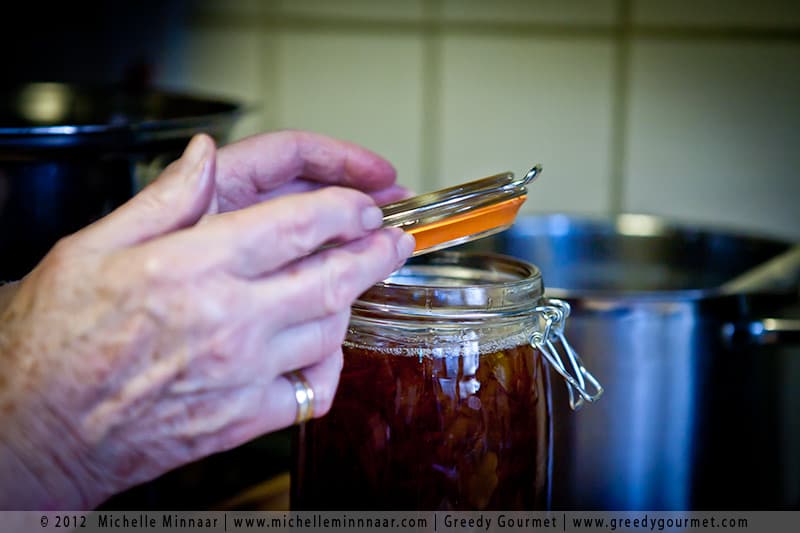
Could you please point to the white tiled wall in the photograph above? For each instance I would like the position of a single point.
(449, 90)
(551, 11)
(714, 133)
(222, 63)
(510, 102)
(358, 9)
(717, 13)
(363, 88)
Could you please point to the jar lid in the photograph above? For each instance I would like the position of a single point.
(462, 213)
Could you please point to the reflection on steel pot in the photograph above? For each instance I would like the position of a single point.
(697, 413)
(69, 155)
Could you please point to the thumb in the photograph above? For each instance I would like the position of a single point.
(178, 198)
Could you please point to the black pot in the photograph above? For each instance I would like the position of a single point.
(71, 154)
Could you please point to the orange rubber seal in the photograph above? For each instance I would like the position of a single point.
(461, 213)
(483, 221)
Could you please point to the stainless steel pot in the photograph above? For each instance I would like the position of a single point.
(70, 154)
(701, 408)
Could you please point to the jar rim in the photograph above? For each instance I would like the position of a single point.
(455, 285)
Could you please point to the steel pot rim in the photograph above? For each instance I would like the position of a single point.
(634, 224)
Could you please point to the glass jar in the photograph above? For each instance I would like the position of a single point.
(444, 398)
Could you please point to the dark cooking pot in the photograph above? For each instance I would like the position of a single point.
(701, 409)
(69, 155)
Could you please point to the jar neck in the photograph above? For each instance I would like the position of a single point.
(454, 287)
(449, 302)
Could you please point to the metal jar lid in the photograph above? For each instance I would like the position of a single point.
(462, 213)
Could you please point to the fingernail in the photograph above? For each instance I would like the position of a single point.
(407, 193)
(196, 151)
(204, 173)
(405, 245)
(198, 162)
(371, 218)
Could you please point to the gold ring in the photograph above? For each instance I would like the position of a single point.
(303, 394)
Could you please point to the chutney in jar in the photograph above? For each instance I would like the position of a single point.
(442, 404)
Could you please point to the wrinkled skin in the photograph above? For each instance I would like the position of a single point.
(160, 334)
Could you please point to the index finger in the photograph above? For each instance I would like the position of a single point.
(253, 241)
(255, 165)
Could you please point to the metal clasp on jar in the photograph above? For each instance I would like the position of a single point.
(554, 315)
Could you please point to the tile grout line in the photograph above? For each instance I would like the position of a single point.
(522, 29)
(430, 136)
(266, 70)
(269, 41)
(621, 73)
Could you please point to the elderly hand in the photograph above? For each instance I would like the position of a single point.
(161, 333)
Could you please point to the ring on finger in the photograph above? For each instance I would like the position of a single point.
(303, 394)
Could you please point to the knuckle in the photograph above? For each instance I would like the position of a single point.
(155, 199)
(325, 392)
(152, 267)
(299, 229)
(318, 158)
(62, 251)
(323, 401)
(341, 278)
(332, 331)
(343, 207)
(343, 196)
(147, 267)
(388, 251)
(311, 219)
(61, 263)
